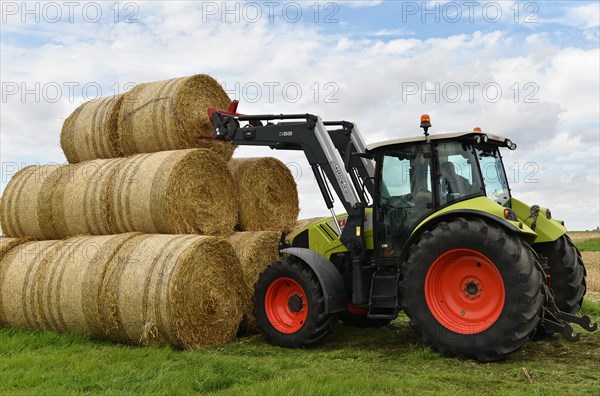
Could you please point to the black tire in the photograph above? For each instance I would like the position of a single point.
(567, 273)
(517, 266)
(567, 277)
(350, 319)
(317, 324)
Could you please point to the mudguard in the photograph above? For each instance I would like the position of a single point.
(547, 230)
(427, 224)
(332, 283)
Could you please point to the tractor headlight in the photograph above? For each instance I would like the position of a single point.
(548, 214)
(485, 138)
(509, 214)
(510, 144)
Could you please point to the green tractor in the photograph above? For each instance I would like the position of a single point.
(431, 229)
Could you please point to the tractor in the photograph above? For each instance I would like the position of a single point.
(431, 228)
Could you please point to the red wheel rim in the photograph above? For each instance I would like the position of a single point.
(286, 306)
(464, 291)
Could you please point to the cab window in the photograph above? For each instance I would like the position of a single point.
(494, 178)
(405, 195)
(458, 175)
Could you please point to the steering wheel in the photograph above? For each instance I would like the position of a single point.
(400, 201)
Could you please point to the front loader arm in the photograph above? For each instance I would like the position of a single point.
(308, 133)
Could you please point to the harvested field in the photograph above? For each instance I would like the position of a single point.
(591, 260)
(267, 193)
(90, 132)
(256, 250)
(171, 115)
(582, 235)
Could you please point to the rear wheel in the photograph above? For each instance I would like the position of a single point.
(289, 306)
(357, 317)
(567, 276)
(472, 290)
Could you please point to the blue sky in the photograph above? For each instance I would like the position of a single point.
(375, 63)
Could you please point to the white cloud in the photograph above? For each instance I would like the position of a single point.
(368, 72)
(585, 16)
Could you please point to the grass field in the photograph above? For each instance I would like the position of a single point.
(352, 361)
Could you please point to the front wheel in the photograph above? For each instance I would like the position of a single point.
(567, 273)
(289, 306)
(472, 290)
(567, 276)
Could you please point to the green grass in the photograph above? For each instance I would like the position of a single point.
(588, 245)
(353, 361)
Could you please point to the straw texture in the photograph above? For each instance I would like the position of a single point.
(170, 192)
(25, 208)
(267, 194)
(255, 250)
(90, 132)
(171, 115)
(184, 291)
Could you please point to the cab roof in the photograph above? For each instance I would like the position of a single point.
(441, 136)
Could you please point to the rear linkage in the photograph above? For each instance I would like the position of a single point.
(557, 321)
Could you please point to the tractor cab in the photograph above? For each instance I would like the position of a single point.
(417, 177)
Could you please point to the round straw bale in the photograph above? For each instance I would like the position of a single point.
(174, 192)
(68, 286)
(183, 290)
(171, 115)
(90, 132)
(80, 203)
(6, 245)
(19, 270)
(256, 250)
(267, 194)
(25, 208)
(299, 226)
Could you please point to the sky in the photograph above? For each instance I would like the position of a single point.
(526, 70)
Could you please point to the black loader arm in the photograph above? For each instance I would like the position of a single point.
(348, 141)
(308, 133)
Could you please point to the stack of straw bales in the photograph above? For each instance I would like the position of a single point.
(151, 234)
